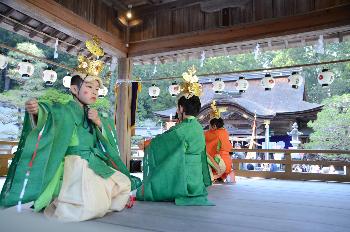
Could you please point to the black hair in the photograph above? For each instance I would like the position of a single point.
(77, 80)
(212, 122)
(218, 122)
(191, 106)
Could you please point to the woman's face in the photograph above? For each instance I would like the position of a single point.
(213, 127)
(88, 92)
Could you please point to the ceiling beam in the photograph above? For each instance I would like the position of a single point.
(57, 16)
(322, 19)
(117, 5)
(150, 9)
(41, 27)
(76, 44)
(23, 22)
(53, 34)
(7, 14)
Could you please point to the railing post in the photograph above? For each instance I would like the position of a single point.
(288, 167)
(347, 172)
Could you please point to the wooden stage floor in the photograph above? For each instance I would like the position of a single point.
(249, 205)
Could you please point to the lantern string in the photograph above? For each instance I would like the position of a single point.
(200, 76)
(36, 57)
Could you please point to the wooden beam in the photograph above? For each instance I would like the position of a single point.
(150, 9)
(57, 16)
(7, 14)
(24, 22)
(41, 27)
(77, 43)
(116, 4)
(322, 19)
(54, 34)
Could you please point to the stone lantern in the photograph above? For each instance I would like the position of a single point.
(295, 135)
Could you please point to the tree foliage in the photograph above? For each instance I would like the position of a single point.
(278, 58)
(332, 126)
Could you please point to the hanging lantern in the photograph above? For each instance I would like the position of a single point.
(174, 89)
(218, 85)
(102, 92)
(3, 61)
(66, 81)
(154, 91)
(242, 84)
(25, 68)
(295, 80)
(49, 77)
(268, 82)
(325, 78)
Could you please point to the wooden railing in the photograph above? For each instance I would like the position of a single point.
(288, 163)
(5, 155)
(285, 173)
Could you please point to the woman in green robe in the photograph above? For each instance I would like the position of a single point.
(68, 160)
(175, 165)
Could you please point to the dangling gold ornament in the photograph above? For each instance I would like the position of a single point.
(90, 68)
(190, 86)
(216, 112)
(94, 46)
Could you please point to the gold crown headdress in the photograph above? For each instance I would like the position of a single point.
(216, 112)
(89, 68)
(190, 86)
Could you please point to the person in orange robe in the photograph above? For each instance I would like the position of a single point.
(217, 142)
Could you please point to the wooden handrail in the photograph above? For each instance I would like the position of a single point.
(4, 158)
(271, 161)
(12, 143)
(305, 151)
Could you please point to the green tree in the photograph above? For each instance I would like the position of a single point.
(24, 89)
(332, 126)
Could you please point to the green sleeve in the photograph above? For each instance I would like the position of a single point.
(218, 147)
(51, 191)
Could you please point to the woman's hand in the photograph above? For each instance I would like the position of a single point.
(32, 107)
(93, 116)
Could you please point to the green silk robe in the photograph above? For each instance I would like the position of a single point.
(175, 166)
(62, 134)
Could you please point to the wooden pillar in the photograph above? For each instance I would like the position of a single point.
(123, 110)
(288, 168)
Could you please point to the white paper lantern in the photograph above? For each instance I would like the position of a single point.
(174, 89)
(102, 92)
(49, 77)
(325, 78)
(66, 81)
(268, 82)
(25, 68)
(154, 91)
(3, 61)
(295, 80)
(218, 85)
(241, 84)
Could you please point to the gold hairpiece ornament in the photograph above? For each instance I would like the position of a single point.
(190, 86)
(90, 68)
(216, 112)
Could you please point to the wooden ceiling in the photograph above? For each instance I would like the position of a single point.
(174, 30)
(122, 5)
